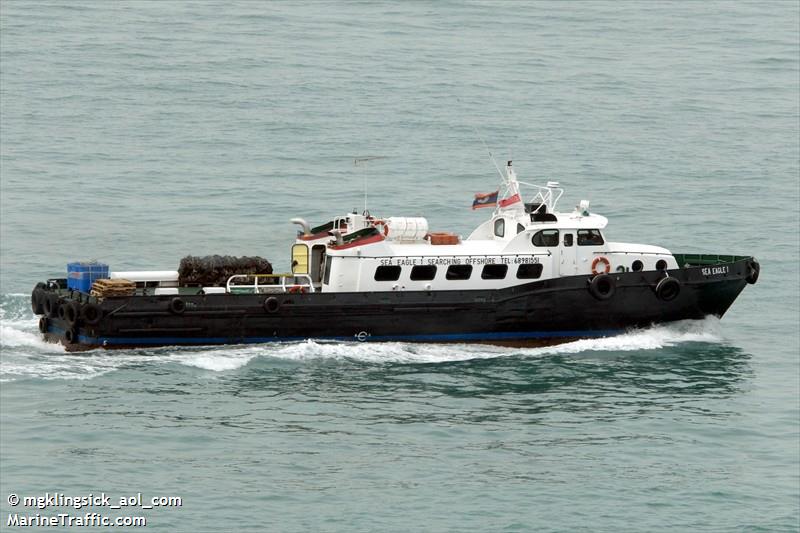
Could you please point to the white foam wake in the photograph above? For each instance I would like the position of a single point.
(24, 355)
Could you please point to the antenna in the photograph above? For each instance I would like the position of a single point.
(490, 153)
(361, 160)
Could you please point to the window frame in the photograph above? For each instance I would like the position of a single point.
(501, 223)
(543, 232)
(584, 243)
(537, 266)
(414, 276)
(383, 268)
(502, 266)
(449, 277)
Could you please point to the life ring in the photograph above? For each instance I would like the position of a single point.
(295, 289)
(754, 269)
(384, 225)
(667, 289)
(91, 313)
(602, 286)
(271, 304)
(598, 260)
(177, 306)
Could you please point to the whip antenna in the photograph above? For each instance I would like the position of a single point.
(490, 153)
(360, 161)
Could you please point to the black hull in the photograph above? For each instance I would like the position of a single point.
(542, 312)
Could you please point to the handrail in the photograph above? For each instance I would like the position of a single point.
(283, 277)
(545, 194)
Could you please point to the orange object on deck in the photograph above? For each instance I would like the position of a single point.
(443, 238)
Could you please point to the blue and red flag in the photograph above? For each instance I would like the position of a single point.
(486, 199)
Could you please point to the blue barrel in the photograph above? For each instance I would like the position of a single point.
(81, 275)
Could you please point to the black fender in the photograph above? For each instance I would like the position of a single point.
(603, 286)
(271, 304)
(754, 270)
(177, 306)
(91, 313)
(667, 289)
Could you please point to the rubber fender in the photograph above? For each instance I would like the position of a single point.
(271, 304)
(37, 301)
(71, 311)
(91, 313)
(667, 289)
(755, 270)
(603, 286)
(71, 335)
(177, 306)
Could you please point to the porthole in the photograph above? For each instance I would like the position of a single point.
(661, 265)
(637, 265)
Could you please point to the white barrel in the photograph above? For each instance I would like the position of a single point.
(147, 275)
(166, 291)
(214, 290)
(407, 228)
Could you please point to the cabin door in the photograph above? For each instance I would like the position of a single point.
(568, 255)
(317, 262)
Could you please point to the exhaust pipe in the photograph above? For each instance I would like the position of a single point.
(302, 223)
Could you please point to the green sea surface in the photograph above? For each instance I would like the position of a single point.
(136, 133)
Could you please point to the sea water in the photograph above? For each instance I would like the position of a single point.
(136, 133)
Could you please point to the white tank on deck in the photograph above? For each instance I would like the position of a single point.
(407, 228)
(147, 275)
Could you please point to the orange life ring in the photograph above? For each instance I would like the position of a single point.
(601, 259)
(384, 225)
(297, 289)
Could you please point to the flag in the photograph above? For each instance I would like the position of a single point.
(505, 202)
(486, 199)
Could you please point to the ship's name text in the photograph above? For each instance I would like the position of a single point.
(413, 261)
(712, 271)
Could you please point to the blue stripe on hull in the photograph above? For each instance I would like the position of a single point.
(433, 337)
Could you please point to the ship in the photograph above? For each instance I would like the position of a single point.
(527, 275)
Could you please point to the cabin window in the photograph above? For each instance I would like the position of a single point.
(520, 228)
(568, 239)
(499, 227)
(530, 271)
(387, 273)
(546, 237)
(423, 273)
(458, 272)
(589, 237)
(494, 272)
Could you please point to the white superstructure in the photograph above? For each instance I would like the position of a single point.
(523, 241)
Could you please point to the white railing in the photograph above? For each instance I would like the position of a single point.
(547, 196)
(286, 283)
